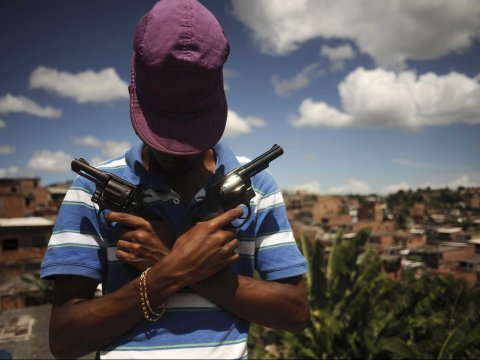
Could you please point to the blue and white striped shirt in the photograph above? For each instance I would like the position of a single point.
(192, 327)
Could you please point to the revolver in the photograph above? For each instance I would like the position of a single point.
(112, 192)
(235, 188)
(232, 190)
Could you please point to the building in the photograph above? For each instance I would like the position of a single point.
(332, 211)
(372, 210)
(449, 234)
(24, 334)
(417, 239)
(22, 197)
(25, 232)
(468, 269)
(23, 242)
(57, 193)
(474, 201)
(417, 213)
(476, 243)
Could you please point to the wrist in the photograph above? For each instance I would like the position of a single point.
(149, 312)
(165, 280)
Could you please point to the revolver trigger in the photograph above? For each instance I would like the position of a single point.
(104, 222)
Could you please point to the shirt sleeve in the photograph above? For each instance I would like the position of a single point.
(277, 255)
(76, 246)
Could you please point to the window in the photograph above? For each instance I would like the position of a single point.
(29, 199)
(10, 244)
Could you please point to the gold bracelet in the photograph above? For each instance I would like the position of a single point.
(164, 305)
(148, 312)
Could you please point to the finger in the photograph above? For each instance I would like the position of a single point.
(231, 246)
(226, 236)
(135, 235)
(227, 217)
(128, 220)
(125, 256)
(232, 259)
(128, 246)
(124, 245)
(230, 230)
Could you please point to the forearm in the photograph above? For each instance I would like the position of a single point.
(282, 306)
(80, 326)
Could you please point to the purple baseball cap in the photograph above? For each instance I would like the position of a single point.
(177, 98)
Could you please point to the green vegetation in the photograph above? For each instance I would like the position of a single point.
(440, 199)
(43, 293)
(359, 312)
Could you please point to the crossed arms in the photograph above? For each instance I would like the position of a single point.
(200, 259)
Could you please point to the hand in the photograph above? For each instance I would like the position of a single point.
(207, 247)
(143, 242)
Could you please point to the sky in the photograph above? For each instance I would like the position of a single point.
(364, 96)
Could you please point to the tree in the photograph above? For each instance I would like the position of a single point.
(359, 312)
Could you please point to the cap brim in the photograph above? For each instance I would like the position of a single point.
(187, 136)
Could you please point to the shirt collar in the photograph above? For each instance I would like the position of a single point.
(133, 158)
(226, 161)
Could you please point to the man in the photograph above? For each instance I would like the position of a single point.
(173, 288)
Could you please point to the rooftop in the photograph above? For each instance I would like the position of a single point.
(24, 333)
(26, 221)
(57, 191)
(449, 230)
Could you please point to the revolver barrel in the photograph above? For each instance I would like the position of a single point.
(81, 167)
(260, 163)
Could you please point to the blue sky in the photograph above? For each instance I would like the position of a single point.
(364, 96)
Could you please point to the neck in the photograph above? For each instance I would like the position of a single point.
(188, 182)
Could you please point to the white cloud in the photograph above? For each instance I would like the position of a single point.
(381, 98)
(2, 124)
(354, 186)
(462, 180)
(390, 31)
(115, 148)
(337, 55)
(299, 81)
(228, 73)
(89, 140)
(84, 87)
(314, 114)
(108, 148)
(312, 187)
(237, 125)
(393, 188)
(9, 172)
(7, 150)
(50, 161)
(21, 104)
